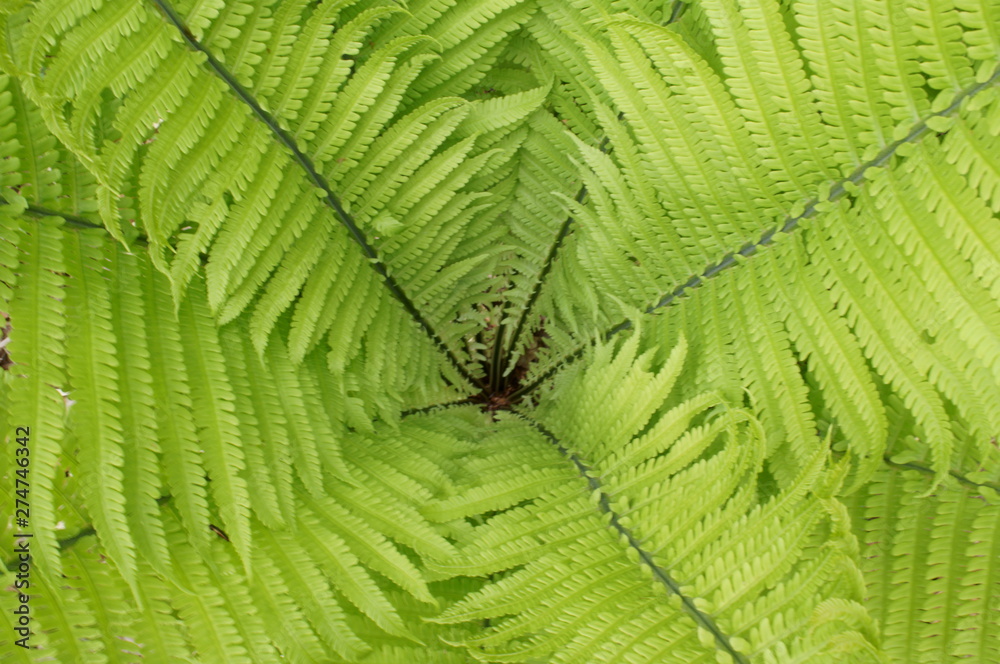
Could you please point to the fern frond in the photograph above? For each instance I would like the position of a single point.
(645, 48)
(333, 604)
(576, 550)
(201, 122)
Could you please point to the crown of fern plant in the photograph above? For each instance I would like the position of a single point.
(538, 331)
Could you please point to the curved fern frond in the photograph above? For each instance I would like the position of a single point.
(221, 434)
(345, 575)
(192, 115)
(564, 556)
(845, 352)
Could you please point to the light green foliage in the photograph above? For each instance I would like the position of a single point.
(538, 331)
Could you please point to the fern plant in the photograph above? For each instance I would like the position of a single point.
(627, 331)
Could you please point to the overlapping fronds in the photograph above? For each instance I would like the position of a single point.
(733, 266)
(304, 604)
(152, 426)
(632, 527)
(892, 227)
(301, 164)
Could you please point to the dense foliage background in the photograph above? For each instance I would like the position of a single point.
(501, 330)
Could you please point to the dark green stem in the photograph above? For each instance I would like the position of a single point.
(436, 406)
(39, 211)
(962, 479)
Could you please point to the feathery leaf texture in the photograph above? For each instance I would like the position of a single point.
(634, 331)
